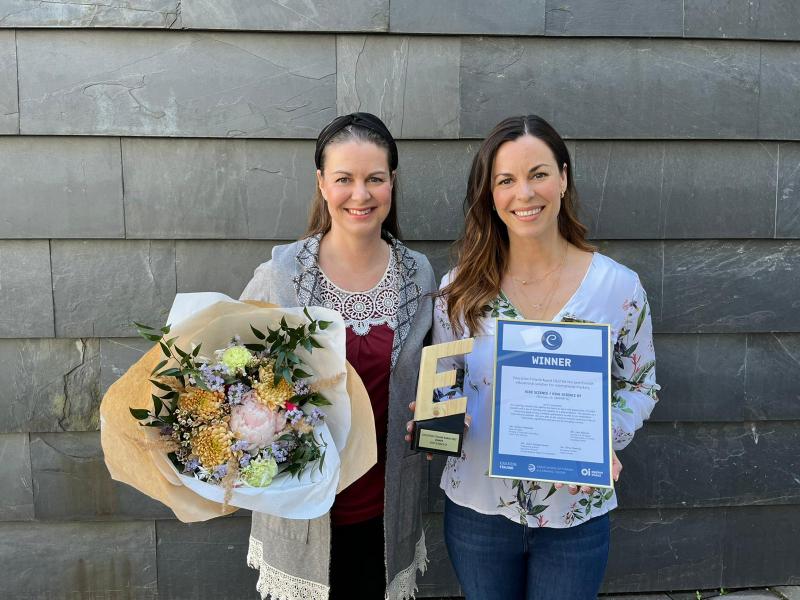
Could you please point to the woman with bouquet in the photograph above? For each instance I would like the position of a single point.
(524, 255)
(352, 261)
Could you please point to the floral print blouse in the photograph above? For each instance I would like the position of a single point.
(609, 293)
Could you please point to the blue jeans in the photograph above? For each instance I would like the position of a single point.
(496, 558)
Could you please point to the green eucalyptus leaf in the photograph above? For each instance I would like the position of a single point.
(140, 414)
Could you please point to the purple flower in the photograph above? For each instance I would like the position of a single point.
(245, 460)
(220, 471)
(294, 416)
(279, 451)
(240, 445)
(167, 430)
(191, 465)
(212, 376)
(316, 417)
(301, 388)
(237, 392)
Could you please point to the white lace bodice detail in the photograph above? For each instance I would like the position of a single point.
(363, 310)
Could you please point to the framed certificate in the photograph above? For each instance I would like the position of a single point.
(551, 403)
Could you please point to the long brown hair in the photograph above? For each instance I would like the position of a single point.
(483, 247)
(319, 219)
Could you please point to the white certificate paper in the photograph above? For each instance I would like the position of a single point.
(551, 413)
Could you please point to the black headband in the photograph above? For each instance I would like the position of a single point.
(360, 119)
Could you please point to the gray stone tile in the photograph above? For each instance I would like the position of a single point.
(286, 15)
(215, 266)
(116, 357)
(787, 592)
(787, 223)
(721, 286)
(686, 545)
(49, 385)
(16, 498)
(769, 554)
(25, 294)
(749, 595)
(742, 19)
(71, 482)
(72, 187)
(773, 377)
(440, 579)
(101, 287)
(704, 464)
(263, 191)
(412, 83)
(176, 84)
(677, 190)
(702, 377)
(615, 18)
(216, 548)
(90, 13)
(440, 254)
(616, 88)
(701, 549)
(778, 111)
(9, 109)
(647, 259)
(78, 560)
(502, 17)
(432, 183)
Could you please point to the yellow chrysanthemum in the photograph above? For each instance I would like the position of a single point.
(272, 396)
(212, 445)
(203, 405)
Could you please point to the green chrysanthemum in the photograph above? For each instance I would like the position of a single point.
(236, 358)
(259, 472)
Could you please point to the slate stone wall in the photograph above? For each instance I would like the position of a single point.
(149, 147)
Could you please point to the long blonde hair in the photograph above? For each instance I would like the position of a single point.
(483, 247)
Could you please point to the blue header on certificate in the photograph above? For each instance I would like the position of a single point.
(551, 413)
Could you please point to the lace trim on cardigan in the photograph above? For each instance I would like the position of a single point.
(404, 584)
(363, 310)
(308, 290)
(278, 585)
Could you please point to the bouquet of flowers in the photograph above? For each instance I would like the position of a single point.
(243, 416)
(240, 405)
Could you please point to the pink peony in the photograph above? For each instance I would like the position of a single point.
(255, 424)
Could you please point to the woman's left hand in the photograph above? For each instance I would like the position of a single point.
(410, 427)
(616, 469)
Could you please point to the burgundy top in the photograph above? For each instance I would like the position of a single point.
(370, 355)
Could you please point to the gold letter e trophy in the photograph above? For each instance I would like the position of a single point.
(439, 426)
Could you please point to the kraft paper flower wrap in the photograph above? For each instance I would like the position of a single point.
(136, 455)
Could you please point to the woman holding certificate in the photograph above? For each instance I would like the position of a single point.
(351, 261)
(524, 255)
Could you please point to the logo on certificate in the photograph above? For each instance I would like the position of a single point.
(551, 340)
(531, 467)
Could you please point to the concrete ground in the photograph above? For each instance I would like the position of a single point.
(774, 593)
(791, 592)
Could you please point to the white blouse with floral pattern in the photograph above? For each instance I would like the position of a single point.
(609, 293)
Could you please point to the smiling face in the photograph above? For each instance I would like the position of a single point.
(527, 185)
(356, 186)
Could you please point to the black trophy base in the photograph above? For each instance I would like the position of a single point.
(441, 435)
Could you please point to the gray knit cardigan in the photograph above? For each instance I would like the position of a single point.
(292, 556)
